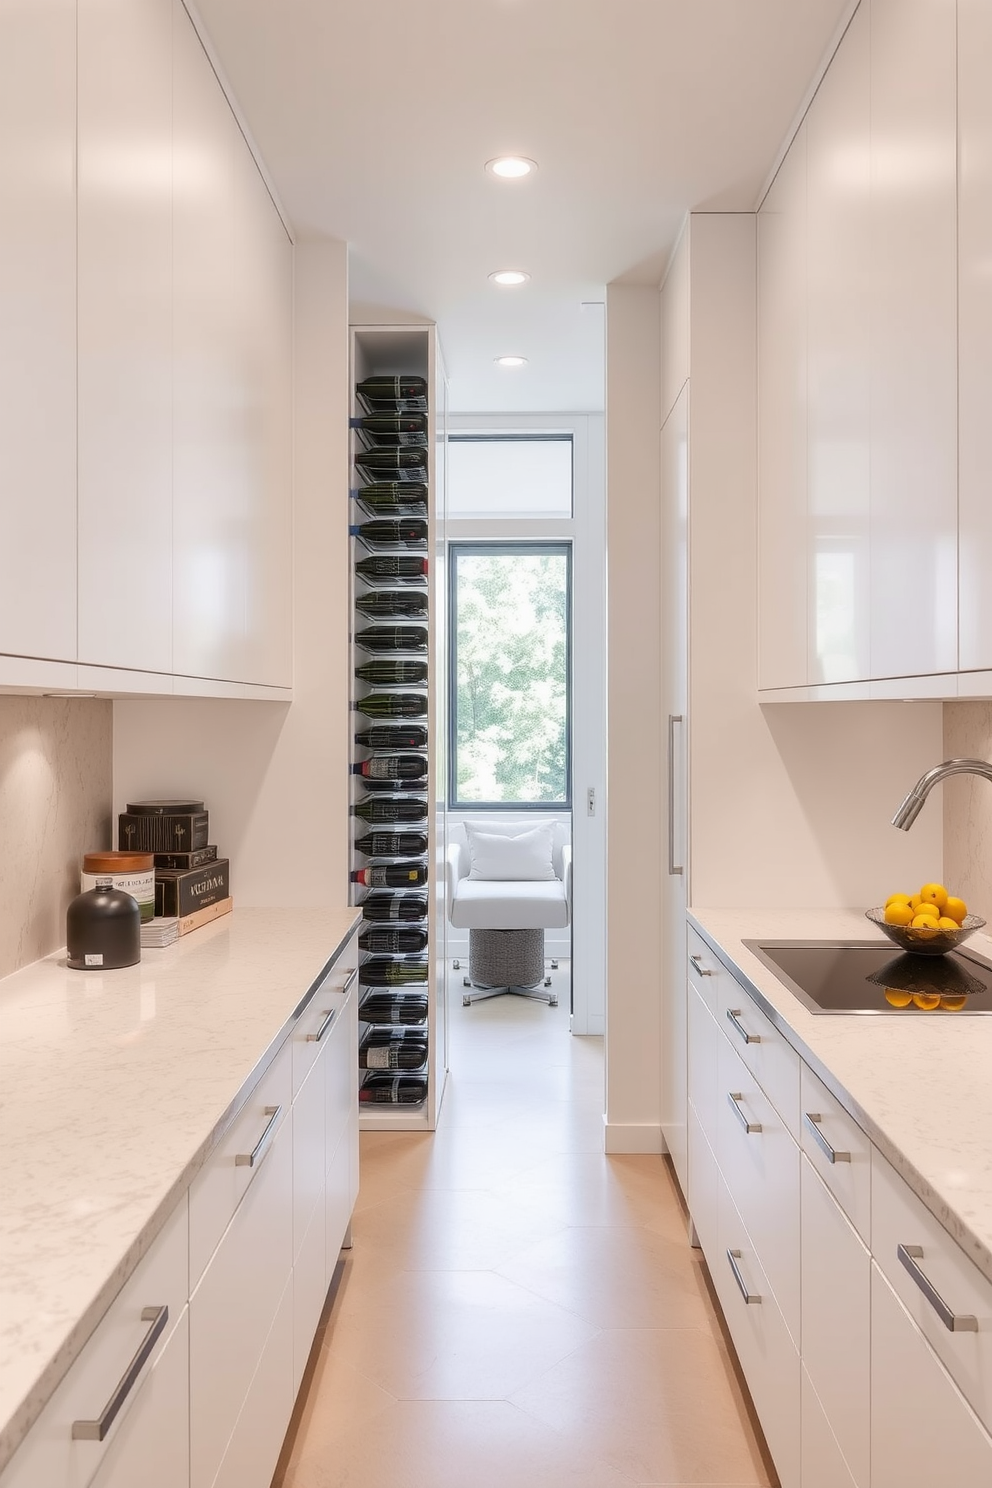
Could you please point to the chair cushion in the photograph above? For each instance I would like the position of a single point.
(509, 905)
(498, 856)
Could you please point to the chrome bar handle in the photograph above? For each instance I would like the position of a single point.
(349, 983)
(315, 1038)
(734, 1015)
(254, 1157)
(738, 1110)
(673, 868)
(751, 1298)
(812, 1120)
(955, 1322)
(697, 962)
(97, 1430)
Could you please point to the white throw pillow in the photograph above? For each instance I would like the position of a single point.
(524, 858)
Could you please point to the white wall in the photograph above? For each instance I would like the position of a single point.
(635, 762)
(275, 776)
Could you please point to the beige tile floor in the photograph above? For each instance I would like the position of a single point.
(519, 1310)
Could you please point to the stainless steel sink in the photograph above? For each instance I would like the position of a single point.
(868, 976)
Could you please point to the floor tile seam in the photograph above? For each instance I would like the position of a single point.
(546, 1302)
(591, 1458)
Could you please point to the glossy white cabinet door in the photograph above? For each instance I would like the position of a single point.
(923, 1432)
(838, 180)
(38, 328)
(675, 621)
(253, 1450)
(782, 433)
(913, 288)
(125, 333)
(210, 476)
(823, 1464)
(152, 1446)
(975, 331)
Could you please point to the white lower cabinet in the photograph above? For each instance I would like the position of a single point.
(152, 1446)
(823, 1464)
(258, 1436)
(704, 1184)
(923, 1432)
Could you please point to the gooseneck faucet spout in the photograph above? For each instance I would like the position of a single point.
(913, 804)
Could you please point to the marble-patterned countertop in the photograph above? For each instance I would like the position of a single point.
(114, 1087)
(921, 1087)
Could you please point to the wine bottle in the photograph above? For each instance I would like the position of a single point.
(392, 638)
(393, 705)
(393, 736)
(383, 673)
(391, 876)
(393, 1049)
(391, 532)
(379, 604)
(394, 498)
(409, 464)
(394, 971)
(400, 567)
(378, 810)
(391, 942)
(393, 767)
(396, 787)
(393, 1090)
(388, 1008)
(393, 429)
(380, 909)
(392, 844)
(393, 389)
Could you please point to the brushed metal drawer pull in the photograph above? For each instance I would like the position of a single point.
(735, 1106)
(812, 1121)
(734, 1015)
(349, 983)
(751, 1298)
(315, 1038)
(697, 962)
(97, 1430)
(254, 1157)
(953, 1321)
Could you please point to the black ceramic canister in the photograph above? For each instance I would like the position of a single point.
(103, 929)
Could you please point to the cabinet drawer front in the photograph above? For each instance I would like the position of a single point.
(232, 1308)
(223, 1181)
(772, 1060)
(314, 1025)
(828, 1129)
(253, 1450)
(923, 1432)
(767, 1354)
(309, 1290)
(823, 1462)
(705, 970)
(705, 1041)
(341, 1060)
(50, 1453)
(899, 1219)
(836, 1313)
(338, 1200)
(309, 1151)
(704, 1184)
(152, 1447)
(761, 1169)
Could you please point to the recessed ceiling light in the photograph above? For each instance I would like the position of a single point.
(510, 361)
(509, 276)
(511, 167)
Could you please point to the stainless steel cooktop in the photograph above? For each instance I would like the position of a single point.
(863, 976)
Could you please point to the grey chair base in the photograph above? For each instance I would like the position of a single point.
(502, 962)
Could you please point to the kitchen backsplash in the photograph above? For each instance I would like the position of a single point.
(56, 762)
(968, 807)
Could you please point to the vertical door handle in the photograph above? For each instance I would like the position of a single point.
(673, 867)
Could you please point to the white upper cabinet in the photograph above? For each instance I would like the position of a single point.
(838, 246)
(975, 346)
(125, 333)
(913, 289)
(782, 529)
(38, 328)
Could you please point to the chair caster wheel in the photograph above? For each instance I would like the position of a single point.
(547, 981)
(554, 966)
(466, 1002)
(456, 965)
(552, 1002)
(466, 982)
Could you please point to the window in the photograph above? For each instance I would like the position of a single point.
(510, 629)
(510, 475)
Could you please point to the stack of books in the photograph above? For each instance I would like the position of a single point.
(192, 883)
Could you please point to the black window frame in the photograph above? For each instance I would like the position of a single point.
(505, 548)
(557, 436)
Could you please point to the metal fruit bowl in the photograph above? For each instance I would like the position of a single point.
(925, 942)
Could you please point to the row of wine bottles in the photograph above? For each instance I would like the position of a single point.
(393, 1049)
(393, 430)
(393, 1090)
(394, 392)
(385, 603)
(398, 532)
(393, 498)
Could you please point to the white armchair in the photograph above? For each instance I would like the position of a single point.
(506, 917)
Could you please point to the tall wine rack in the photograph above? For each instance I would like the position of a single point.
(398, 650)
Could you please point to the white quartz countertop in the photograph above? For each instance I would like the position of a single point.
(920, 1086)
(114, 1087)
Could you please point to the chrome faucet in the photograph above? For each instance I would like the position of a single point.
(913, 804)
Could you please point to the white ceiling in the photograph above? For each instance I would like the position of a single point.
(375, 119)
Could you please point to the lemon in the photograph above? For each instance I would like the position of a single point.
(946, 923)
(953, 1002)
(934, 893)
(897, 899)
(928, 908)
(897, 998)
(926, 923)
(898, 914)
(955, 909)
(927, 1000)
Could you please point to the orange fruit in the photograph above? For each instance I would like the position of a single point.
(946, 923)
(915, 903)
(897, 998)
(925, 923)
(897, 899)
(955, 909)
(934, 893)
(927, 1000)
(898, 914)
(953, 1002)
(928, 908)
